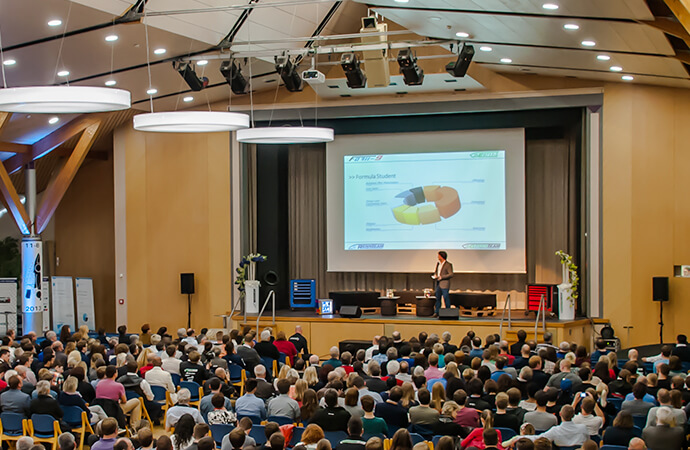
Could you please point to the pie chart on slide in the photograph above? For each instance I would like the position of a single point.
(424, 205)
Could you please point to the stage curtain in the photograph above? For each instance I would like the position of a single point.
(552, 224)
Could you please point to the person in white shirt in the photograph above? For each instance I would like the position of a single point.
(369, 353)
(591, 415)
(567, 434)
(158, 377)
(171, 364)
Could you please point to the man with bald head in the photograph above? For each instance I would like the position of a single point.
(156, 376)
(299, 341)
(636, 444)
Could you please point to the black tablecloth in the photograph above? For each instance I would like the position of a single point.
(363, 299)
(472, 300)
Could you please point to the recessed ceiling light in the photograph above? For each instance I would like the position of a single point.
(202, 62)
(616, 69)
(435, 18)
(53, 120)
(627, 77)
(159, 51)
(187, 99)
(152, 91)
(571, 26)
(110, 82)
(485, 48)
(63, 73)
(506, 60)
(550, 6)
(9, 62)
(401, 1)
(111, 37)
(603, 57)
(54, 23)
(462, 34)
(589, 43)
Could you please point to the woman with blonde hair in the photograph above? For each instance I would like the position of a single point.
(301, 387)
(408, 399)
(311, 436)
(311, 376)
(438, 396)
(452, 367)
(143, 357)
(70, 347)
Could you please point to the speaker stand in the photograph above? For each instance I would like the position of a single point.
(189, 310)
(661, 323)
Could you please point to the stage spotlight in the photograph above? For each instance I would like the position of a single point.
(356, 78)
(288, 72)
(234, 77)
(190, 77)
(459, 68)
(413, 75)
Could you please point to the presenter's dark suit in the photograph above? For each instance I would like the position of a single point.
(443, 284)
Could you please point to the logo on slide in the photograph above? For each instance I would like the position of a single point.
(446, 203)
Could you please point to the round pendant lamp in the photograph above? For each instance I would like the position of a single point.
(285, 135)
(63, 99)
(190, 121)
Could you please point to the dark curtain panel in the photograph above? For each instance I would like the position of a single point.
(552, 224)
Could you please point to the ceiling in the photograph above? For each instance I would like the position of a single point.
(523, 37)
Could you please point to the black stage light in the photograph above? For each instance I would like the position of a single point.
(413, 75)
(288, 72)
(356, 78)
(234, 77)
(190, 77)
(459, 68)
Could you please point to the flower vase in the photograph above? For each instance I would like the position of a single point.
(566, 302)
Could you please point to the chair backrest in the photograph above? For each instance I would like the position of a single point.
(131, 394)
(296, 436)
(334, 437)
(258, 433)
(158, 393)
(219, 431)
(72, 415)
(193, 389)
(282, 358)
(268, 364)
(640, 420)
(506, 433)
(435, 439)
(612, 447)
(616, 402)
(235, 372)
(596, 438)
(280, 420)
(637, 431)
(175, 379)
(256, 420)
(430, 384)
(416, 438)
(11, 421)
(425, 431)
(43, 423)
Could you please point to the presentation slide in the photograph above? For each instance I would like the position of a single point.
(395, 199)
(411, 201)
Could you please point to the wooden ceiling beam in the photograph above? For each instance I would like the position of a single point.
(680, 9)
(9, 193)
(11, 147)
(54, 193)
(4, 120)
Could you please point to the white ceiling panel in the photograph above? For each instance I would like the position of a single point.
(114, 7)
(624, 9)
(537, 31)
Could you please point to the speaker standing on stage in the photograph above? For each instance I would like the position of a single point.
(442, 275)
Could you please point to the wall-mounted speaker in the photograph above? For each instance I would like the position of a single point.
(660, 289)
(187, 283)
(350, 311)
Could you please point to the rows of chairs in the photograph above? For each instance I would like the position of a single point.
(43, 427)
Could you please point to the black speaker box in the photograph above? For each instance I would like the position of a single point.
(660, 289)
(350, 311)
(187, 283)
(449, 314)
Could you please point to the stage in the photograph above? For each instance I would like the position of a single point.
(323, 332)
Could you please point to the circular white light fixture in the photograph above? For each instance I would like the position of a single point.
(506, 60)
(63, 99)
(190, 121)
(188, 99)
(616, 69)
(159, 51)
(285, 135)
(54, 23)
(9, 62)
(589, 43)
(550, 6)
(571, 26)
(627, 77)
(202, 62)
(63, 73)
(152, 91)
(603, 57)
(53, 120)
(485, 48)
(110, 82)
(112, 38)
(462, 34)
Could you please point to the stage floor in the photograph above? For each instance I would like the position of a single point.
(323, 332)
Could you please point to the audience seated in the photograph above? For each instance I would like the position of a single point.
(664, 433)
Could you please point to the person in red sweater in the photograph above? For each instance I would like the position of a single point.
(476, 437)
(286, 347)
